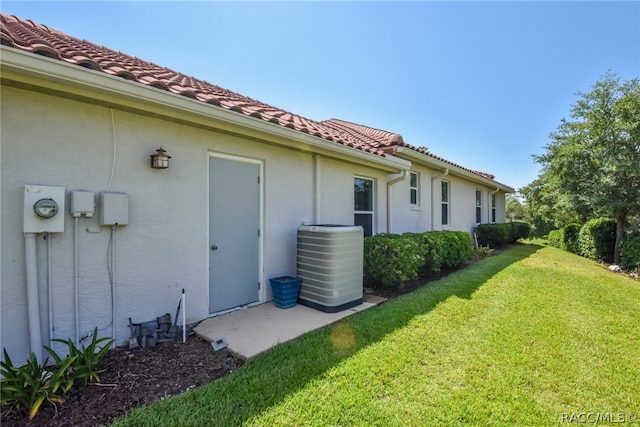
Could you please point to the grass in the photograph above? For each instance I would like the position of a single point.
(531, 336)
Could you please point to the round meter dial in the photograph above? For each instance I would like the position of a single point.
(45, 208)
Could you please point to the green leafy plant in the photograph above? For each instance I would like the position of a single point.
(390, 260)
(27, 387)
(555, 238)
(481, 252)
(519, 230)
(570, 234)
(597, 239)
(86, 360)
(630, 252)
(494, 235)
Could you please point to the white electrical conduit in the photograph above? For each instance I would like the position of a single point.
(47, 236)
(33, 304)
(76, 298)
(113, 285)
(113, 162)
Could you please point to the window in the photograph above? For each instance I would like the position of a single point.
(493, 208)
(478, 206)
(414, 186)
(363, 204)
(445, 202)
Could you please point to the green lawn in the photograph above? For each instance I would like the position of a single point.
(531, 337)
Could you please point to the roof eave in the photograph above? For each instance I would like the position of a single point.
(423, 159)
(58, 76)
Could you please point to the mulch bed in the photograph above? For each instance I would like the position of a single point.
(134, 378)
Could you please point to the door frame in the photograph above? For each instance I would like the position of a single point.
(262, 293)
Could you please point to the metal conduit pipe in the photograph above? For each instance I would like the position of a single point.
(33, 304)
(49, 285)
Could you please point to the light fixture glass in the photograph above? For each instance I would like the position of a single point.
(160, 160)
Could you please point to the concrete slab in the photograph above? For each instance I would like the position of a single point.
(253, 330)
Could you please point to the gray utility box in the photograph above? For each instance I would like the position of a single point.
(329, 262)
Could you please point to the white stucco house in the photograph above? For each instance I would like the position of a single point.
(79, 123)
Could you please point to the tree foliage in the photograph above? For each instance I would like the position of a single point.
(592, 164)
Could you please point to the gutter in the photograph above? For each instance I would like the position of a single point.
(428, 161)
(58, 78)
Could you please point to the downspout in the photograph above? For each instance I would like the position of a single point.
(433, 197)
(33, 304)
(403, 175)
(489, 207)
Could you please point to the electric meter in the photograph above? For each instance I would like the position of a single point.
(45, 208)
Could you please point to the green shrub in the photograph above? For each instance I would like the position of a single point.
(519, 230)
(86, 360)
(458, 247)
(442, 249)
(390, 260)
(555, 238)
(630, 252)
(569, 237)
(27, 387)
(493, 235)
(597, 239)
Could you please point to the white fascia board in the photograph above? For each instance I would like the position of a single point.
(60, 76)
(429, 161)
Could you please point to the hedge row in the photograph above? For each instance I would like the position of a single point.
(630, 252)
(596, 240)
(392, 259)
(566, 238)
(497, 235)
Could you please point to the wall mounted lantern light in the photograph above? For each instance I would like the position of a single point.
(160, 160)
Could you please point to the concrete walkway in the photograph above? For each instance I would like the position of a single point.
(253, 330)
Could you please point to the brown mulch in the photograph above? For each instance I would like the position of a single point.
(134, 378)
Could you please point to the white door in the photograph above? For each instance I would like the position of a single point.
(234, 234)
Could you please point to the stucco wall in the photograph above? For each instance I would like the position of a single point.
(60, 142)
(52, 141)
(462, 212)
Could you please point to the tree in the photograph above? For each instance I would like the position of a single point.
(594, 157)
(549, 206)
(516, 211)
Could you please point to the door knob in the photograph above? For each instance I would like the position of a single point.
(214, 248)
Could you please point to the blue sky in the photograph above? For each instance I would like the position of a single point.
(481, 84)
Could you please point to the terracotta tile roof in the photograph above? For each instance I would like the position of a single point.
(42, 40)
(386, 141)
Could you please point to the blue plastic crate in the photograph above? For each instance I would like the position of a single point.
(285, 290)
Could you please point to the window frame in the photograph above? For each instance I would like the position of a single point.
(414, 190)
(369, 213)
(445, 218)
(493, 208)
(478, 206)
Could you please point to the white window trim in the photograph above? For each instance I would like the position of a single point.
(415, 205)
(448, 203)
(373, 203)
(493, 209)
(478, 206)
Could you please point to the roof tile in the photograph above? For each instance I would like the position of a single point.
(32, 37)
